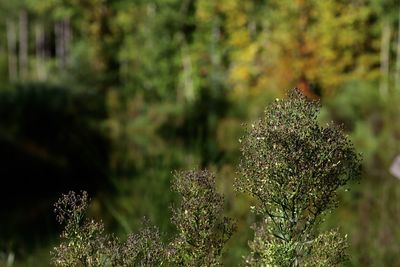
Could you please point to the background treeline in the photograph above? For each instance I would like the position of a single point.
(110, 96)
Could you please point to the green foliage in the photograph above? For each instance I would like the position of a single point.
(186, 73)
(372, 206)
(293, 167)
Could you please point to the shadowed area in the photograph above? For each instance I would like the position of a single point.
(51, 142)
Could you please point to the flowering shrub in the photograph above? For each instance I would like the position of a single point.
(293, 167)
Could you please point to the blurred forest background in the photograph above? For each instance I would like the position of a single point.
(110, 96)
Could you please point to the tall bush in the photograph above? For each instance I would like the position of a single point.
(293, 167)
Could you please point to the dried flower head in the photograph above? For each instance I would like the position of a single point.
(71, 206)
(144, 248)
(83, 240)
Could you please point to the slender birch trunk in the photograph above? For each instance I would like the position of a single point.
(12, 48)
(23, 44)
(385, 61)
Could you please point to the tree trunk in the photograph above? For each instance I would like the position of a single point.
(187, 74)
(23, 44)
(67, 38)
(59, 43)
(12, 48)
(63, 36)
(384, 61)
(40, 52)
